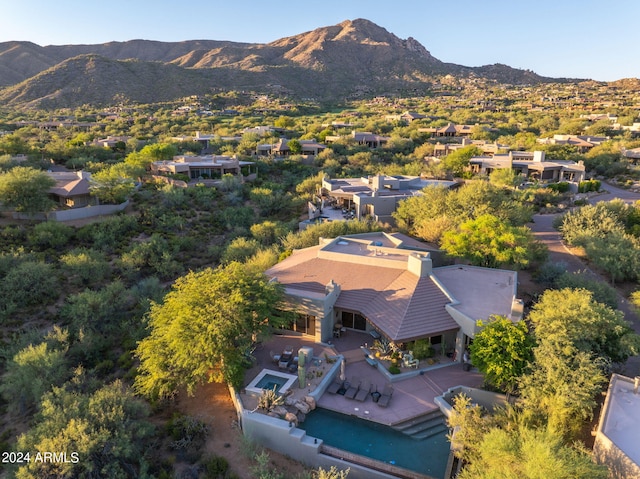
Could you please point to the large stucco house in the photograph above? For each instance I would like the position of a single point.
(386, 284)
(533, 165)
(376, 196)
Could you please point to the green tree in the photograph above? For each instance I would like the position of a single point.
(605, 252)
(113, 185)
(157, 152)
(295, 147)
(458, 161)
(531, 453)
(562, 388)
(84, 266)
(26, 189)
(33, 371)
(204, 329)
(502, 351)
(106, 429)
(570, 319)
(589, 222)
(240, 249)
(489, 241)
(50, 234)
(506, 177)
(29, 283)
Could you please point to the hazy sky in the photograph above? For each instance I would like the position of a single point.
(556, 38)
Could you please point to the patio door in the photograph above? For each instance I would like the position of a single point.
(305, 324)
(353, 321)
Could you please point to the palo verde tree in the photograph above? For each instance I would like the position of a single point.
(502, 351)
(506, 444)
(26, 189)
(205, 327)
(491, 242)
(570, 318)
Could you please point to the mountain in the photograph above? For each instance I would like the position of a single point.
(353, 57)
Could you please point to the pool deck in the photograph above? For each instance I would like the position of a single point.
(412, 397)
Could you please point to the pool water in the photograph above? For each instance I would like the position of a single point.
(376, 441)
(269, 381)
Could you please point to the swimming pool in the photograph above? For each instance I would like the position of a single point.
(376, 441)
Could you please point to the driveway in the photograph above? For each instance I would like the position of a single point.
(543, 230)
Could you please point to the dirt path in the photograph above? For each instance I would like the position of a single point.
(212, 404)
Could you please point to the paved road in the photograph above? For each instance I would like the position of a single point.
(615, 192)
(544, 231)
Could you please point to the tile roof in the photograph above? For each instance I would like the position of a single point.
(399, 303)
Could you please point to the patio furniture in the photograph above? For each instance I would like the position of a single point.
(335, 386)
(274, 357)
(385, 397)
(352, 390)
(286, 357)
(363, 392)
(337, 330)
(371, 361)
(375, 395)
(409, 362)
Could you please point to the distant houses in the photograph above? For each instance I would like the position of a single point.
(375, 196)
(364, 138)
(282, 148)
(532, 165)
(203, 166)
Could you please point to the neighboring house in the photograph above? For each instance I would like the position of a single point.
(581, 142)
(450, 131)
(532, 165)
(407, 116)
(72, 189)
(617, 443)
(362, 138)
(385, 284)
(633, 155)
(203, 167)
(633, 129)
(110, 141)
(488, 149)
(593, 117)
(308, 148)
(375, 196)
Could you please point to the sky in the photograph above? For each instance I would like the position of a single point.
(554, 38)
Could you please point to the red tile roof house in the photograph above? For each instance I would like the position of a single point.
(72, 189)
(385, 284)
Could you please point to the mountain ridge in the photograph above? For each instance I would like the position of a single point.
(325, 63)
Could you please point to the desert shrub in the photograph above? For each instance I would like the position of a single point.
(215, 467)
(561, 187)
(50, 234)
(422, 349)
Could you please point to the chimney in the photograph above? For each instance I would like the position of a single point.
(419, 264)
(636, 383)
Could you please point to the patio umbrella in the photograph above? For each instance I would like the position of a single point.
(343, 376)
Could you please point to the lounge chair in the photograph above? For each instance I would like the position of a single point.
(364, 391)
(385, 397)
(352, 390)
(335, 386)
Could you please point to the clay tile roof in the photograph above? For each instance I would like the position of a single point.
(399, 303)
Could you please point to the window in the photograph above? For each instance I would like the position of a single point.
(353, 321)
(305, 324)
